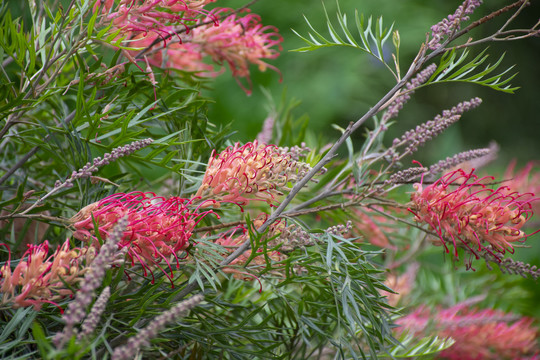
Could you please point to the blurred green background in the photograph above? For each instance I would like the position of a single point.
(337, 85)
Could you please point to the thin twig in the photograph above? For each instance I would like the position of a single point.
(36, 217)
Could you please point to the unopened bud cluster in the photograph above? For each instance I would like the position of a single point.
(93, 278)
(92, 320)
(296, 152)
(423, 133)
(143, 337)
(340, 229)
(446, 27)
(418, 80)
(508, 265)
(453, 161)
(293, 237)
(88, 169)
(405, 175)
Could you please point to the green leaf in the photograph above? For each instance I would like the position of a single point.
(413, 347)
(454, 69)
(91, 23)
(20, 321)
(373, 36)
(43, 343)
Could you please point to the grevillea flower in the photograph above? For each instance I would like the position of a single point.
(526, 180)
(158, 228)
(239, 42)
(400, 284)
(452, 23)
(235, 41)
(371, 226)
(478, 334)
(459, 206)
(39, 277)
(185, 56)
(157, 17)
(247, 172)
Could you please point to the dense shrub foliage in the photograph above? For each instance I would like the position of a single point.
(134, 225)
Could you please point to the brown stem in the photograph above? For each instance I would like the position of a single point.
(35, 217)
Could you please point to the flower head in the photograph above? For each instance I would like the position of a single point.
(239, 42)
(247, 172)
(461, 207)
(478, 334)
(158, 228)
(524, 180)
(402, 285)
(157, 17)
(39, 277)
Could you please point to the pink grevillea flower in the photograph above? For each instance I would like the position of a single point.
(135, 17)
(402, 285)
(185, 56)
(236, 41)
(158, 228)
(40, 278)
(478, 334)
(526, 180)
(239, 42)
(372, 227)
(459, 206)
(253, 171)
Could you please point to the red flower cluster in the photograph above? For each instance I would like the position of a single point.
(40, 278)
(459, 206)
(237, 41)
(157, 17)
(478, 334)
(526, 180)
(158, 228)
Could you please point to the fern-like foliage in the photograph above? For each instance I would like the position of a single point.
(453, 68)
(412, 347)
(373, 36)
